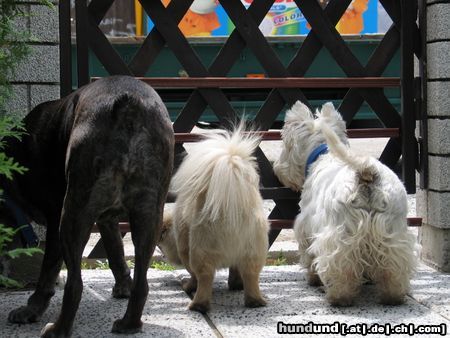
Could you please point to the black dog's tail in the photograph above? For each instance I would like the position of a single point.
(136, 127)
(125, 103)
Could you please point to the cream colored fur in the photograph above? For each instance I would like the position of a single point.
(352, 226)
(218, 218)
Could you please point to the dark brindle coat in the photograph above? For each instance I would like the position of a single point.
(100, 153)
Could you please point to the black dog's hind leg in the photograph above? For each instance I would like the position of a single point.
(145, 223)
(112, 241)
(45, 289)
(76, 223)
(235, 279)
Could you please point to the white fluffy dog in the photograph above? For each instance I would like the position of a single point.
(218, 220)
(352, 225)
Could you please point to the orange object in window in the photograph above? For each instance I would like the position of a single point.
(255, 75)
(352, 21)
(198, 24)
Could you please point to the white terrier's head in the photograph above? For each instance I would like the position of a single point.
(301, 134)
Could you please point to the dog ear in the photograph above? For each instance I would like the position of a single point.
(299, 112)
(328, 111)
(330, 114)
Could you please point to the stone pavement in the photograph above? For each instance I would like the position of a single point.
(290, 300)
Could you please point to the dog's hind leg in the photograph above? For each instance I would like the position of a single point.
(45, 289)
(76, 223)
(234, 279)
(392, 286)
(342, 286)
(204, 270)
(145, 222)
(189, 285)
(250, 270)
(312, 277)
(113, 243)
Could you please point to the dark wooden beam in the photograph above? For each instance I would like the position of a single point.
(276, 135)
(275, 224)
(278, 82)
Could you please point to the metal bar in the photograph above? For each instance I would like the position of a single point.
(423, 107)
(392, 8)
(65, 54)
(82, 25)
(274, 82)
(391, 153)
(409, 144)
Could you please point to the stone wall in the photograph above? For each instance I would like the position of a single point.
(433, 204)
(37, 78)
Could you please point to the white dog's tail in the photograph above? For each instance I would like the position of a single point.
(366, 195)
(219, 176)
(364, 168)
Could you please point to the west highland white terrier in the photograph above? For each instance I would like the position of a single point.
(218, 219)
(352, 227)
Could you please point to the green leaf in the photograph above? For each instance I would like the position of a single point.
(23, 251)
(9, 283)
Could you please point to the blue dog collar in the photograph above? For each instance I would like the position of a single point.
(314, 155)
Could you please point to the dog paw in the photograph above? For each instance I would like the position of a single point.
(50, 331)
(314, 280)
(24, 315)
(126, 326)
(123, 289)
(189, 285)
(254, 302)
(199, 307)
(340, 301)
(392, 300)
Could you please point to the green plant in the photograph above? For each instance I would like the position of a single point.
(6, 236)
(161, 265)
(279, 260)
(13, 49)
(10, 128)
(101, 265)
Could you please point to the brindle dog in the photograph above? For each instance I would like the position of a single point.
(103, 152)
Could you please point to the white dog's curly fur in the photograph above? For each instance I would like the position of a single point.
(218, 219)
(352, 225)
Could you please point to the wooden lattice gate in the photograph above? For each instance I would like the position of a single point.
(363, 83)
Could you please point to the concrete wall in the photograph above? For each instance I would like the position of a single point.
(433, 204)
(37, 78)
